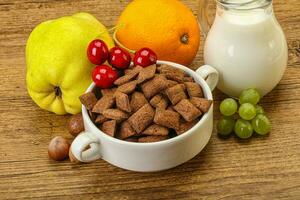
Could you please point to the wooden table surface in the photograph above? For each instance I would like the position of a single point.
(261, 168)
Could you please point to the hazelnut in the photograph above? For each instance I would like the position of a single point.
(72, 157)
(75, 124)
(58, 148)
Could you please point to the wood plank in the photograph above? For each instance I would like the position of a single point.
(262, 168)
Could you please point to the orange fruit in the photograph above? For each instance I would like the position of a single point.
(167, 27)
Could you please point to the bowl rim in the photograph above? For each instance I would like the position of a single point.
(198, 79)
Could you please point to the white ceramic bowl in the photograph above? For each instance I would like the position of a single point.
(148, 157)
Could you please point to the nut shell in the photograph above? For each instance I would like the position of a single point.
(72, 157)
(58, 148)
(75, 124)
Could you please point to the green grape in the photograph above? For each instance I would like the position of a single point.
(226, 125)
(243, 129)
(261, 124)
(249, 96)
(228, 107)
(259, 109)
(247, 111)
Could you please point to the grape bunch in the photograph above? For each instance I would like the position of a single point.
(251, 117)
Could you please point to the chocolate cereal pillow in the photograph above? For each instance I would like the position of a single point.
(148, 104)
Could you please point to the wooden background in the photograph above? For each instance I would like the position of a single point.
(261, 168)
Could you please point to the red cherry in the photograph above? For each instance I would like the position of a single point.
(119, 58)
(145, 57)
(97, 52)
(104, 76)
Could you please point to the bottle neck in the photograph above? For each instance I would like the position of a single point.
(257, 10)
(243, 5)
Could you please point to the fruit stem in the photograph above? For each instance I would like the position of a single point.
(121, 25)
(115, 29)
(184, 38)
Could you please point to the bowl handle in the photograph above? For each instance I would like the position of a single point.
(210, 75)
(80, 145)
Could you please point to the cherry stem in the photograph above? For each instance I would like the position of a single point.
(121, 25)
(115, 29)
(118, 42)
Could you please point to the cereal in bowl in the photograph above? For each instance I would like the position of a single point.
(147, 104)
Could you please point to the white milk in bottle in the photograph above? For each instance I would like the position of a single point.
(248, 48)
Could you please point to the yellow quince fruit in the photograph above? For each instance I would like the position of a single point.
(58, 70)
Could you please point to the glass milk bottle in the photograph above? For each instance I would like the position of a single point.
(245, 44)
